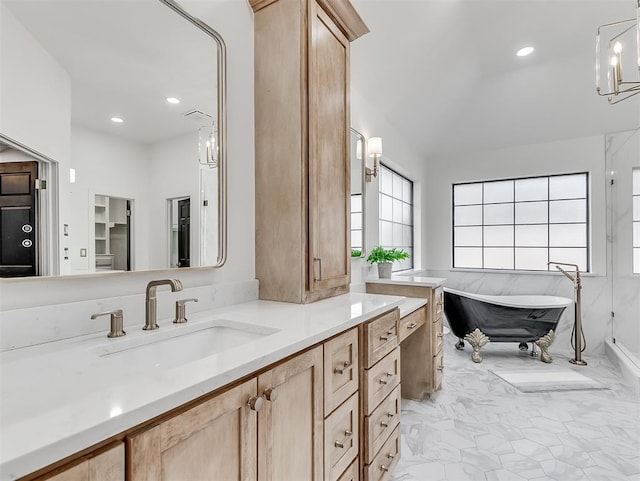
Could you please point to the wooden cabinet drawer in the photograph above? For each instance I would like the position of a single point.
(438, 298)
(380, 380)
(380, 337)
(438, 370)
(409, 323)
(340, 369)
(437, 335)
(385, 461)
(352, 473)
(340, 439)
(380, 424)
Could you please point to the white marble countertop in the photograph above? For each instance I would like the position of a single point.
(61, 397)
(409, 280)
(410, 304)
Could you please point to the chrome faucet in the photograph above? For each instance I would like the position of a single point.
(150, 313)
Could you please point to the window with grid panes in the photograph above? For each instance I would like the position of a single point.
(396, 214)
(521, 224)
(636, 221)
(356, 222)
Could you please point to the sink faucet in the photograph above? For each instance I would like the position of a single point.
(150, 314)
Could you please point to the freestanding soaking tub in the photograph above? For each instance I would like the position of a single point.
(478, 319)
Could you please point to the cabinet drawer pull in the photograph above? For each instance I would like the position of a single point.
(440, 368)
(387, 337)
(390, 414)
(347, 435)
(384, 468)
(391, 455)
(345, 366)
(271, 394)
(386, 381)
(255, 403)
(412, 325)
(383, 424)
(440, 334)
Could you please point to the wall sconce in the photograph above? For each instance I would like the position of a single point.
(623, 39)
(207, 146)
(374, 147)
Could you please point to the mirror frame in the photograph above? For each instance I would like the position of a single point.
(222, 127)
(49, 251)
(363, 185)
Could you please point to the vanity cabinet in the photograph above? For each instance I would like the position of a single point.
(422, 351)
(302, 147)
(380, 387)
(267, 428)
(103, 466)
(341, 406)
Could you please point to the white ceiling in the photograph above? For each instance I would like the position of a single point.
(444, 72)
(124, 59)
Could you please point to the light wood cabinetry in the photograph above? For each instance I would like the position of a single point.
(341, 404)
(290, 441)
(421, 353)
(227, 437)
(380, 393)
(302, 146)
(105, 466)
(214, 440)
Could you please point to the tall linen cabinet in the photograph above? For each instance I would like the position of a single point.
(302, 147)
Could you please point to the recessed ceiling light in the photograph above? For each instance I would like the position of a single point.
(116, 120)
(523, 52)
(173, 100)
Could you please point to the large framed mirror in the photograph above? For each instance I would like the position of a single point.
(357, 149)
(112, 138)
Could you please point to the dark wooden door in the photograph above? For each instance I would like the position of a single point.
(184, 228)
(18, 236)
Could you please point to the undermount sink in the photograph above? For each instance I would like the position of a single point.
(184, 343)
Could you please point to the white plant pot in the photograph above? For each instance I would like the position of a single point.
(384, 270)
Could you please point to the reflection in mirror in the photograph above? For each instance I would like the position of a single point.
(119, 107)
(357, 193)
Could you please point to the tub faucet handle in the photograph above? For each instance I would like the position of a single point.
(117, 322)
(181, 316)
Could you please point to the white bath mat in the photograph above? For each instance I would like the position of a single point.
(544, 380)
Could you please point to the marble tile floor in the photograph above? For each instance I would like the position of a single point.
(480, 428)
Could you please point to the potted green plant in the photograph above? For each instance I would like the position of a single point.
(385, 258)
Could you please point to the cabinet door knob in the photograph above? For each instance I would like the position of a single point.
(271, 394)
(391, 455)
(256, 403)
(345, 366)
(347, 435)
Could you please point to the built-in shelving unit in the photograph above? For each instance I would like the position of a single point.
(111, 237)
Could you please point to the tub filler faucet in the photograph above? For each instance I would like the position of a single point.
(150, 313)
(578, 341)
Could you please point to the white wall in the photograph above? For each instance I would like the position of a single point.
(32, 112)
(111, 166)
(574, 155)
(234, 21)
